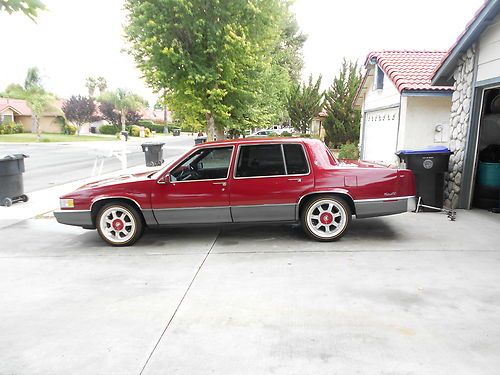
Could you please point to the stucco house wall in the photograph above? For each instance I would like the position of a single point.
(48, 124)
(425, 121)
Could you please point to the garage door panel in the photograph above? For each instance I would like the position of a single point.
(380, 135)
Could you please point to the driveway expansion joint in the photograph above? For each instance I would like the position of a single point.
(180, 302)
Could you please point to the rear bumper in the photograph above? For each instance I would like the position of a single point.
(382, 207)
(75, 217)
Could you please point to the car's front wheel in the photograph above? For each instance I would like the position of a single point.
(119, 224)
(326, 218)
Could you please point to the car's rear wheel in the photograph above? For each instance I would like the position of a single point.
(119, 224)
(326, 218)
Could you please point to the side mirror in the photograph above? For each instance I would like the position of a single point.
(165, 179)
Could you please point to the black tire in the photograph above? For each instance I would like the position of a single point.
(340, 206)
(24, 198)
(131, 212)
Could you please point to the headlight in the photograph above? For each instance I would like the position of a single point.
(67, 203)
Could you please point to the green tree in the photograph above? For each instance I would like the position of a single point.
(342, 122)
(39, 100)
(30, 8)
(303, 103)
(101, 84)
(124, 102)
(91, 84)
(213, 57)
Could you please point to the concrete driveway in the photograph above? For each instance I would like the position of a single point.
(408, 294)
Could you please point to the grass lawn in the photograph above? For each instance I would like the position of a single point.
(53, 137)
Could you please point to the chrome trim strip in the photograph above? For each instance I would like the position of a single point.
(212, 179)
(242, 206)
(114, 197)
(70, 210)
(284, 161)
(383, 199)
(325, 192)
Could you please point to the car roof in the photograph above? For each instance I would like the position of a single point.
(231, 142)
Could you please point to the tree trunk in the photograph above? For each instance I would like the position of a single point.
(33, 124)
(210, 127)
(37, 127)
(219, 132)
(123, 119)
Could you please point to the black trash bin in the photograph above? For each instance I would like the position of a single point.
(11, 180)
(200, 140)
(429, 166)
(176, 132)
(125, 135)
(153, 152)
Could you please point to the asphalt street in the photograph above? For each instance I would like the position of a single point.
(407, 294)
(51, 164)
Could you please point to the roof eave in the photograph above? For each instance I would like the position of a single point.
(444, 74)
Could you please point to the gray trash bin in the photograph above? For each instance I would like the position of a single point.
(153, 153)
(11, 179)
(176, 132)
(199, 140)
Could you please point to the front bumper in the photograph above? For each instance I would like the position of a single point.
(75, 217)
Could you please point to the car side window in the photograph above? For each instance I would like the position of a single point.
(260, 160)
(296, 162)
(204, 164)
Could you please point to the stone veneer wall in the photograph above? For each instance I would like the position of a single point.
(459, 125)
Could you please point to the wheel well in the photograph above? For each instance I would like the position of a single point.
(345, 197)
(100, 204)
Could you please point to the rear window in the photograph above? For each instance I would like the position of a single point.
(296, 162)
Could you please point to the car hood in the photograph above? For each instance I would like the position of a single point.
(121, 179)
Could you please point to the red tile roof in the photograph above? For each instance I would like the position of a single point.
(17, 105)
(409, 70)
(21, 107)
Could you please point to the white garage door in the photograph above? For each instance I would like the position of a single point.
(380, 135)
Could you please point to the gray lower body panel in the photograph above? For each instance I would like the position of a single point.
(271, 212)
(198, 215)
(384, 207)
(77, 218)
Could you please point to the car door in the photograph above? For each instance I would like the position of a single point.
(268, 182)
(195, 191)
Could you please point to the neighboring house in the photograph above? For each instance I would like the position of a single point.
(157, 115)
(17, 110)
(472, 66)
(317, 128)
(400, 109)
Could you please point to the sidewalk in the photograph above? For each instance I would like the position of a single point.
(45, 201)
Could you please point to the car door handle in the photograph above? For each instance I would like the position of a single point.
(219, 183)
(295, 179)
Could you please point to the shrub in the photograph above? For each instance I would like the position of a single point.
(159, 128)
(135, 131)
(11, 128)
(109, 129)
(349, 151)
(286, 134)
(69, 129)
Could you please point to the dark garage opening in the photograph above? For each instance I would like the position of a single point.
(487, 179)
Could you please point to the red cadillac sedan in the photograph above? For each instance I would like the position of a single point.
(285, 180)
